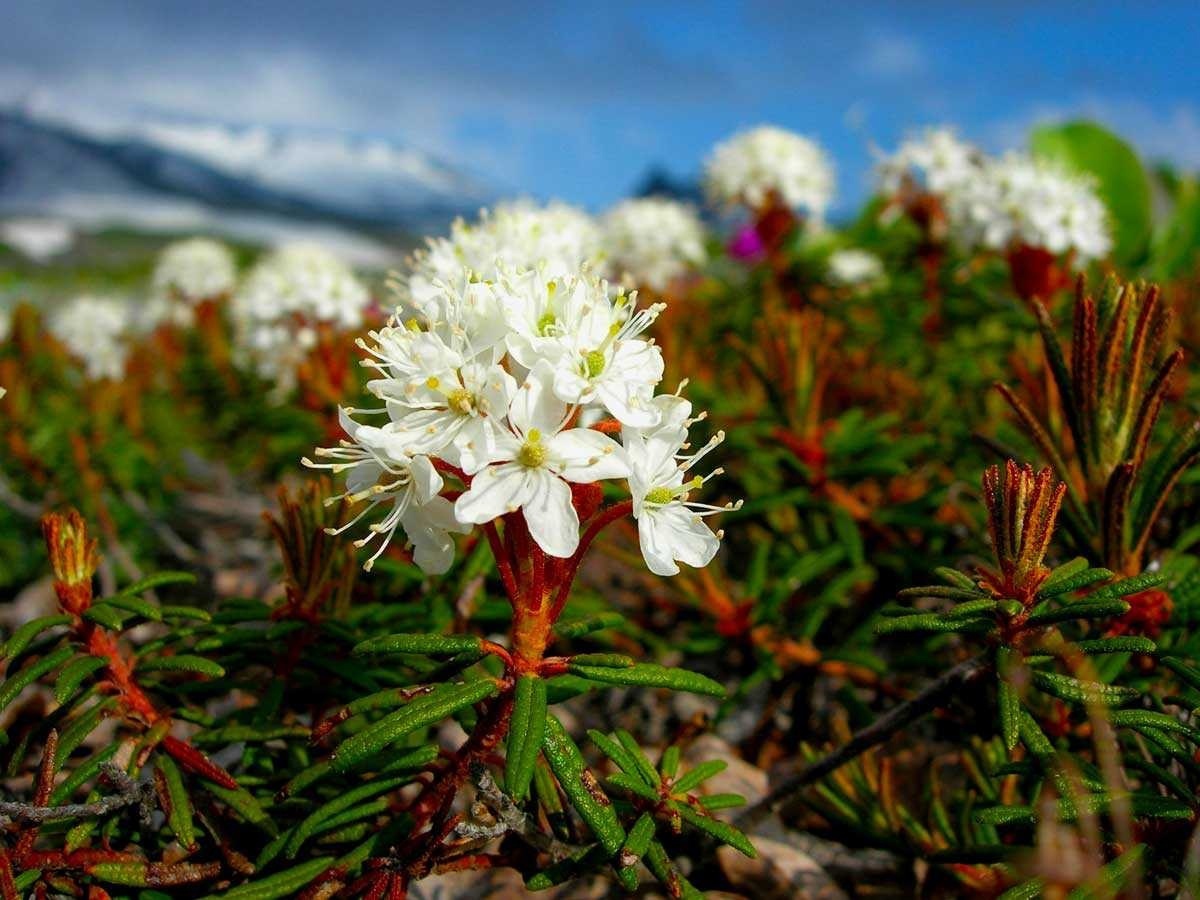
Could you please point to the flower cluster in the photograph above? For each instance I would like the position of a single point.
(1019, 200)
(283, 301)
(95, 330)
(651, 241)
(937, 161)
(854, 268)
(494, 384)
(191, 271)
(767, 165)
(557, 237)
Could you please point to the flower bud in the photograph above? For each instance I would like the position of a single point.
(73, 559)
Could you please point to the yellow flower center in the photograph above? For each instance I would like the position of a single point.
(461, 401)
(594, 362)
(533, 452)
(660, 495)
(545, 323)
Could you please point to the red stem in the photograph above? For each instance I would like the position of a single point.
(602, 519)
(502, 561)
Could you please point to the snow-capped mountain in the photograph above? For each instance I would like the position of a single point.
(165, 175)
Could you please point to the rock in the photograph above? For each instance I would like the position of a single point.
(780, 872)
(740, 777)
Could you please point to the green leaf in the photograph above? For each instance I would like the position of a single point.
(183, 662)
(245, 805)
(106, 615)
(1010, 710)
(526, 728)
(582, 789)
(1112, 878)
(652, 675)
(1121, 180)
(1189, 674)
(715, 802)
(577, 628)
(604, 660)
(934, 622)
(697, 775)
(636, 845)
(28, 675)
(1139, 719)
(425, 710)
(1127, 644)
(664, 870)
(580, 863)
(1074, 581)
(136, 605)
(178, 805)
(626, 761)
(424, 644)
(338, 804)
(1084, 609)
(1075, 691)
(634, 785)
(150, 582)
(283, 884)
(1005, 815)
(1027, 890)
(73, 674)
(25, 635)
(722, 831)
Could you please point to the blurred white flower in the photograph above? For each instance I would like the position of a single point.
(1020, 200)
(854, 268)
(557, 238)
(936, 161)
(649, 242)
(194, 270)
(751, 166)
(283, 299)
(95, 331)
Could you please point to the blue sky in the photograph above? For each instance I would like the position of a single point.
(577, 101)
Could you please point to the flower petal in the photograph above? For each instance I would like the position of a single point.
(584, 455)
(551, 518)
(494, 491)
(535, 407)
(669, 533)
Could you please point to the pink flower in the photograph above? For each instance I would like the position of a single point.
(746, 244)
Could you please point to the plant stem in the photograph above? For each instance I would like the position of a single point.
(934, 696)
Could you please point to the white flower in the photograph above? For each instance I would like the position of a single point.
(537, 458)
(936, 161)
(1019, 199)
(854, 268)
(557, 238)
(439, 399)
(95, 331)
(670, 525)
(193, 270)
(380, 472)
(652, 241)
(751, 166)
(590, 336)
(283, 299)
